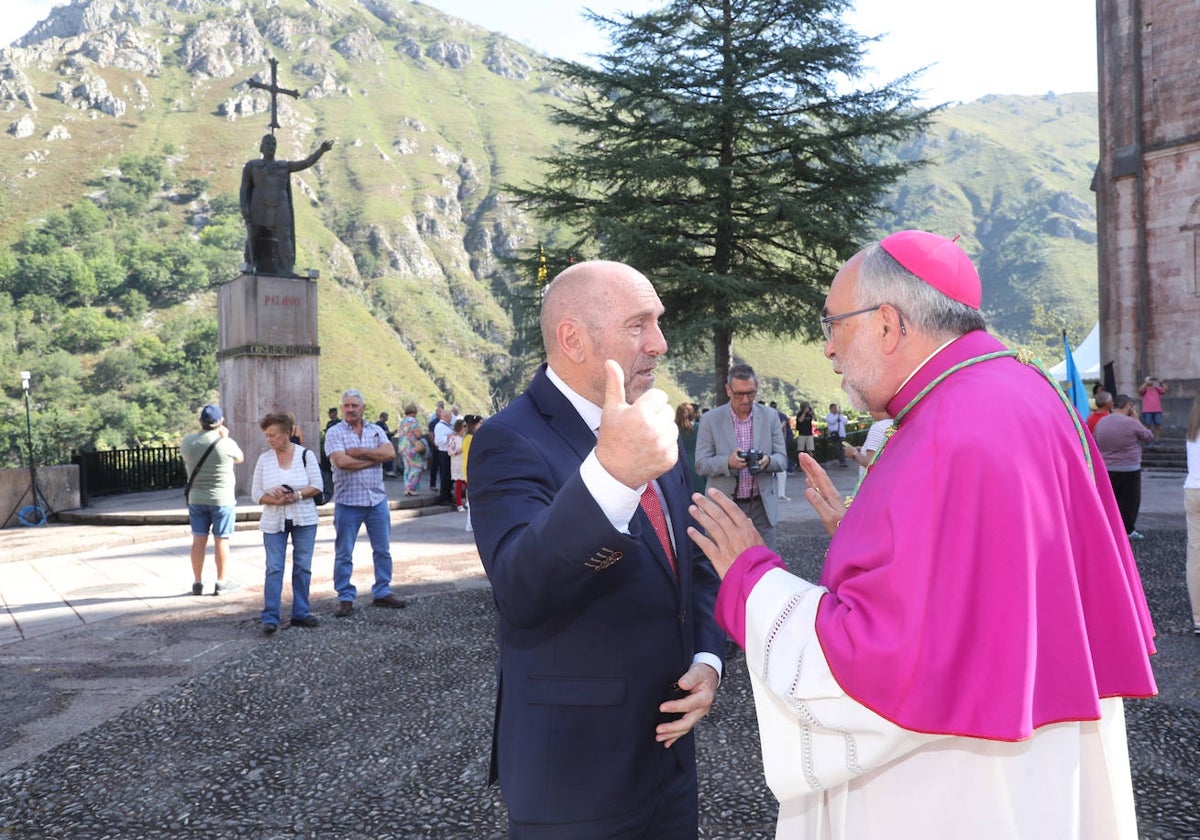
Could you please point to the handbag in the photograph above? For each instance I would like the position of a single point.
(187, 488)
(418, 445)
(324, 496)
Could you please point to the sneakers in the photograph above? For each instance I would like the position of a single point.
(1134, 535)
(197, 588)
(224, 586)
(1196, 629)
(307, 621)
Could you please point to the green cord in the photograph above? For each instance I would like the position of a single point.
(1022, 356)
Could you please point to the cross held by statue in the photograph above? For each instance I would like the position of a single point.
(274, 89)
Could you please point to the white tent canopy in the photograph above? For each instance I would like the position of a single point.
(1087, 358)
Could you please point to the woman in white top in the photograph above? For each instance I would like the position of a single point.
(876, 435)
(286, 478)
(457, 474)
(1191, 502)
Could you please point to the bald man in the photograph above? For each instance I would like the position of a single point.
(608, 653)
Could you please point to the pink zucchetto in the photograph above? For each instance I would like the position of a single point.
(939, 262)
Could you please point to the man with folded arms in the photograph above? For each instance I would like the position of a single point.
(358, 449)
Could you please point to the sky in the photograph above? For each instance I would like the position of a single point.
(1025, 47)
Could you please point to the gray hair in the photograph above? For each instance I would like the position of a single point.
(355, 393)
(741, 371)
(881, 279)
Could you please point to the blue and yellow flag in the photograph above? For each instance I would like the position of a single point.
(1074, 387)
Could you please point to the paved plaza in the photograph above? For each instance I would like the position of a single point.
(132, 709)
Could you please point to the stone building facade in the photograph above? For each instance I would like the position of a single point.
(1148, 196)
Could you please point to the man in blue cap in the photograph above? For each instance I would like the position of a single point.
(209, 457)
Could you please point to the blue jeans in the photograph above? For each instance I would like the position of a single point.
(304, 537)
(347, 520)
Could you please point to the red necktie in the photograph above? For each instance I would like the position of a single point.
(652, 505)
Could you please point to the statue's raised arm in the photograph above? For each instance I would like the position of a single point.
(313, 158)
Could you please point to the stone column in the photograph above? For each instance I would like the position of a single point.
(267, 361)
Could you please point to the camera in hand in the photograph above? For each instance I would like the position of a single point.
(752, 457)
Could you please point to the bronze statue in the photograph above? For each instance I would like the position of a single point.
(266, 200)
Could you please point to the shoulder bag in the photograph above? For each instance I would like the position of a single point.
(321, 498)
(187, 488)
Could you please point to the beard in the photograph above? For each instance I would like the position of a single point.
(860, 376)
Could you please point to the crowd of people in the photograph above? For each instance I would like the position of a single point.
(355, 457)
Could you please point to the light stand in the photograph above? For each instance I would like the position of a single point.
(33, 514)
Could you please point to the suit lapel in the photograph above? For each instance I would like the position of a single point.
(560, 415)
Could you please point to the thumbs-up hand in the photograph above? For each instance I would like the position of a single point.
(636, 442)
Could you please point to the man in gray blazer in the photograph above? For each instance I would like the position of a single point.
(730, 430)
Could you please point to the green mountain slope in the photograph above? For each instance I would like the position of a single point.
(138, 109)
(1012, 175)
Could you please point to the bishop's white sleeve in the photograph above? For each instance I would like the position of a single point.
(814, 736)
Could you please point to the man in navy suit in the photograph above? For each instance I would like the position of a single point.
(609, 654)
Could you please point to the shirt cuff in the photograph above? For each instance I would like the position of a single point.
(735, 590)
(712, 660)
(616, 501)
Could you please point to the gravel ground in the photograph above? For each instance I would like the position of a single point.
(378, 726)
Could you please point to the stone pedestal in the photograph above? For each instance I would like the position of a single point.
(267, 361)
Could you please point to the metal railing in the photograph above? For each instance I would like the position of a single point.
(129, 471)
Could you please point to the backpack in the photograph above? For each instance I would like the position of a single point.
(324, 496)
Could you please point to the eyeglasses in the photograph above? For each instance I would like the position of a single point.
(743, 394)
(827, 322)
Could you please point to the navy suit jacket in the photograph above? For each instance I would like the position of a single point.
(593, 624)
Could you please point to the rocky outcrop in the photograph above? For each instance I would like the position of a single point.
(497, 230)
(84, 18)
(15, 89)
(506, 62)
(195, 7)
(123, 46)
(216, 48)
(22, 128)
(246, 104)
(450, 54)
(359, 47)
(90, 91)
(410, 47)
(386, 11)
(1072, 206)
(326, 82)
(405, 250)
